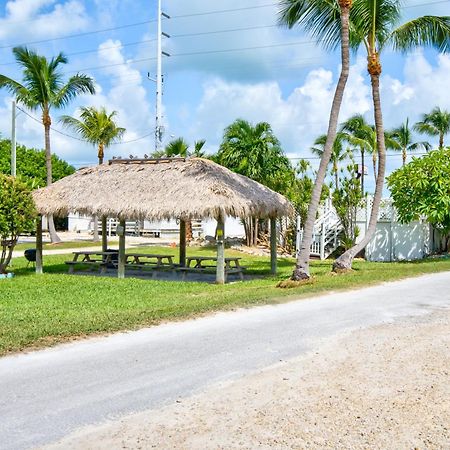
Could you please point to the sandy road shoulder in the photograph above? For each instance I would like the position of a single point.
(385, 387)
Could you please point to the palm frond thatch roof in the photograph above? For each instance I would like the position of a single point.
(157, 190)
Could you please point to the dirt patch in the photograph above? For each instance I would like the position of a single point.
(381, 388)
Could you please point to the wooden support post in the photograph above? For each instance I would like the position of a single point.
(39, 260)
(121, 267)
(220, 274)
(104, 234)
(273, 245)
(182, 243)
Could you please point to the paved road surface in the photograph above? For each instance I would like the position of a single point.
(47, 394)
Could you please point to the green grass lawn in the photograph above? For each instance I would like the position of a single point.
(37, 311)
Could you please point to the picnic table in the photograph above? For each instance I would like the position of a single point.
(206, 263)
(151, 261)
(94, 259)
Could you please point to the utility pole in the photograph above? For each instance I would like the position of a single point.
(13, 139)
(159, 129)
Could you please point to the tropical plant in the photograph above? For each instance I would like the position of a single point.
(421, 189)
(435, 123)
(338, 154)
(97, 127)
(374, 25)
(362, 135)
(254, 151)
(198, 149)
(403, 136)
(177, 147)
(327, 22)
(43, 88)
(17, 214)
(346, 201)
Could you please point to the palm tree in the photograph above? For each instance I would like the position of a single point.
(328, 22)
(254, 151)
(373, 24)
(198, 149)
(436, 123)
(43, 88)
(338, 154)
(177, 147)
(403, 136)
(99, 128)
(357, 132)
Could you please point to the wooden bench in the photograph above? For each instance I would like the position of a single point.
(232, 266)
(93, 259)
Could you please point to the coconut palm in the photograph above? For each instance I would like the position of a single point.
(97, 127)
(44, 88)
(339, 153)
(328, 22)
(403, 136)
(436, 123)
(362, 135)
(374, 25)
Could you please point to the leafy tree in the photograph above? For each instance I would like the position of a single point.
(403, 136)
(338, 154)
(436, 123)
(421, 188)
(346, 200)
(254, 151)
(17, 214)
(97, 127)
(43, 88)
(31, 165)
(327, 22)
(374, 26)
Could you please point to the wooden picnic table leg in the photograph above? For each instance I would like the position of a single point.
(72, 266)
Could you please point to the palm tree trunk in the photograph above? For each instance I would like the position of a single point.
(404, 156)
(336, 178)
(344, 262)
(46, 120)
(374, 162)
(362, 170)
(301, 270)
(189, 233)
(441, 140)
(95, 218)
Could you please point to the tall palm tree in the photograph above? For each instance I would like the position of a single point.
(403, 136)
(436, 123)
(339, 153)
(328, 22)
(44, 88)
(99, 128)
(374, 25)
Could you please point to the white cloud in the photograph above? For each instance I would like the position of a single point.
(27, 19)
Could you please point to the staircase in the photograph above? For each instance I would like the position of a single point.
(325, 233)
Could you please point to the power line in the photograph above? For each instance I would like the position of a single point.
(86, 33)
(79, 139)
(136, 24)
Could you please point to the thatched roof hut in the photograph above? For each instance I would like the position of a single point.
(160, 189)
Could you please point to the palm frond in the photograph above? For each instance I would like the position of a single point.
(429, 31)
(76, 85)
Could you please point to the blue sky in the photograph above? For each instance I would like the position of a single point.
(229, 60)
